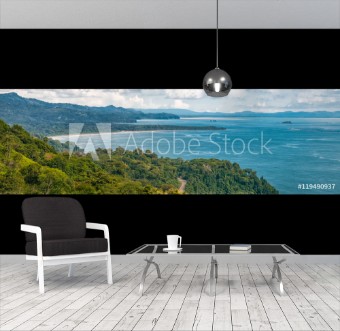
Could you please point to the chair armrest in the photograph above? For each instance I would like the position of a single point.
(37, 231)
(98, 226)
(30, 228)
(103, 227)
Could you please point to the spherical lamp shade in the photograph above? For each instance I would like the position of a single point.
(217, 83)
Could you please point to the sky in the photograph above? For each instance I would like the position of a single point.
(256, 100)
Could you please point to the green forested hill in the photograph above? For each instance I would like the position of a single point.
(46, 119)
(29, 165)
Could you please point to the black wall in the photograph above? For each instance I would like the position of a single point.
(168, 58)
(307, 223)
(179, 59)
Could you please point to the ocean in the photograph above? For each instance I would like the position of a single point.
(301, 156)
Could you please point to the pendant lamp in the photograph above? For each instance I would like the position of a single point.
(217, 83)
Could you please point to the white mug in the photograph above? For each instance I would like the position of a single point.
(173, 241)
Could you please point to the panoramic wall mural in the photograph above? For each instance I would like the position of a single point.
(169, 142)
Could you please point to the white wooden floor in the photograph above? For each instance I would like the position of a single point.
(245, 298)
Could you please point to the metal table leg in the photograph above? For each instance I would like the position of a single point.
(213, 273)
(216, 269)
(277, 270)
(148, 263)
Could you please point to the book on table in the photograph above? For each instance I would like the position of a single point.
(240, 252)
(240, 247)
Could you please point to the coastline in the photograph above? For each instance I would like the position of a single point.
(107, 133)
(128, 131)
(316, 141)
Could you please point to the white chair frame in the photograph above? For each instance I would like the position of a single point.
(68, 259)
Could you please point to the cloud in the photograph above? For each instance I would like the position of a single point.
(317, 96)
(238, 100)
(184, 94)
(270, 100)
(88, 97)
(261, 104)
(237, 93)
(180, 104)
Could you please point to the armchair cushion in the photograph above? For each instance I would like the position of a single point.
(68, 246)
(58, 217)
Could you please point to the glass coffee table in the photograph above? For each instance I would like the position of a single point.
(278, 252)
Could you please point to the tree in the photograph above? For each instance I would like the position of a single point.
(31, 174)
(10, 142)
(12, 182)
(54, 181)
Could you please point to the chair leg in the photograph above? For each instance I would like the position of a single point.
(109, 269)
(41, 276)
(37, 274)
(70, 270)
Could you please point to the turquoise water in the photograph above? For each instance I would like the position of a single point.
(304, 152)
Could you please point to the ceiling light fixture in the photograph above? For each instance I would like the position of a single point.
(217, 83)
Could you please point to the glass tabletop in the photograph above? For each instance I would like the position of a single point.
(215, 249)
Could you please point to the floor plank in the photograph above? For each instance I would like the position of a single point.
(335, 267)
(54, 303)
(305, 300)
(204, 318)
(222, 315)
(322, 281)
(129, 320)
(178, 296)
(318, 289)
(239, 310)
(23, 310)
(320, 299)
(294, 317)
(128, 302)
(186, 316)
(55, 320)
(244, 298)
(167, 320)
(276, 317)
(257, 313)
(330, 270)
(331, 278)
(86, 310)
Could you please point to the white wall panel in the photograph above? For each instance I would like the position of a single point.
(169, 14)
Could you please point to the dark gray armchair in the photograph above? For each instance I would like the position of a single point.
(56, 234)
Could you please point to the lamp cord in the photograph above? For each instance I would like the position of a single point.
(216, 33)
